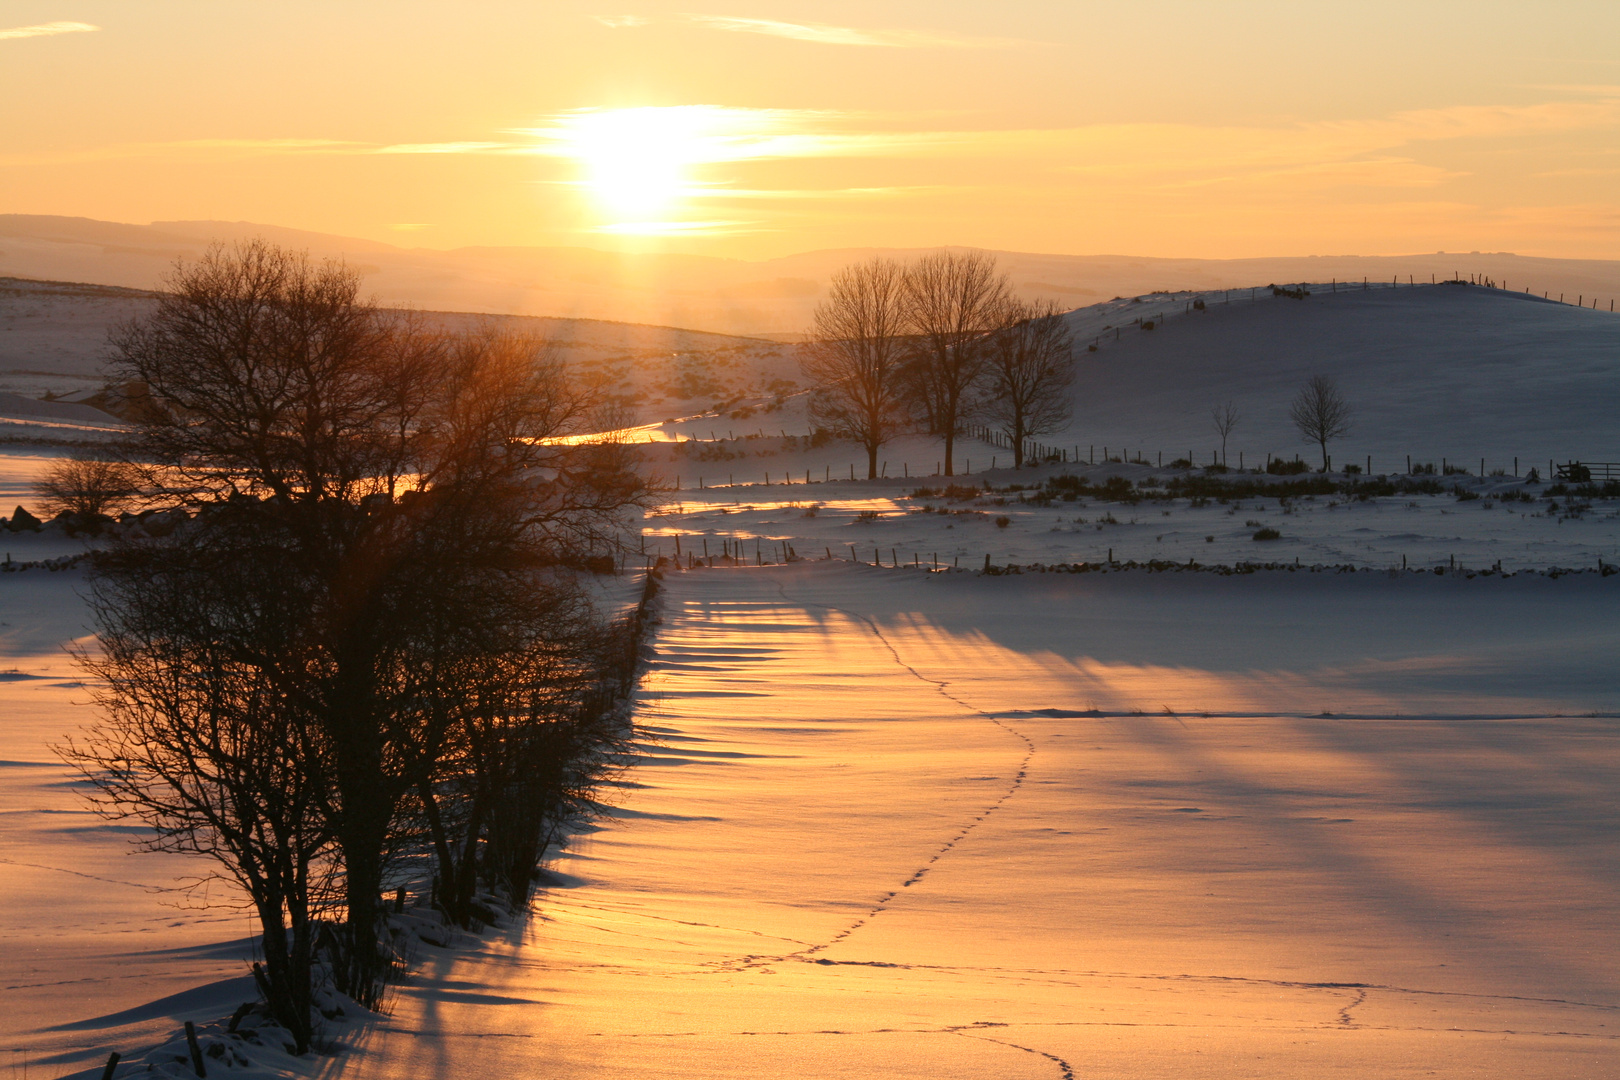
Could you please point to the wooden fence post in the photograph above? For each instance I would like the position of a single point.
(196, 1051)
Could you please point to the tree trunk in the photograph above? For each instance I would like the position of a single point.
(950, 443)
(871, 462)
(277, 971)
(441, 843)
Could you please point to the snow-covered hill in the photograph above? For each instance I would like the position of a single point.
(1453, 371)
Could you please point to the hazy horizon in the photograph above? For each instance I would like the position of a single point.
(1255, 131)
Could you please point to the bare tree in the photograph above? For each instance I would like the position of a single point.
(856, 357)
(199, 742)
(954, 300)
(383, 470)
(1320, 413)
(1031, 371)
(1225, 419)
(87, 486)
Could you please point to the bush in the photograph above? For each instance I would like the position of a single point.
(1577, 472)
(87, 487)
(1423, 469)
(1147, 324)
(1268, 534)
(1279, 467)
(1119, 489)
(1003, 521)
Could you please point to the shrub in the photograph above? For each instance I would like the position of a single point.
(1003, 521)
(1181, 463)
(1147, 324)
(87, 487)
(1279, 467)
(1352, 470)
(1423, 469)
(1119, 489)
(1268, 534)
(867, 515)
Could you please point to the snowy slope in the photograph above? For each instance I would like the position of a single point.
(1435, 371)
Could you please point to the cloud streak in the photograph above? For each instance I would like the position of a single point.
(823, 34)
(49, 29)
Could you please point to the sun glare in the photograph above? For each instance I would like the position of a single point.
(641, 166)
(636, 160)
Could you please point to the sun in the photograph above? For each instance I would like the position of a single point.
(637, 162)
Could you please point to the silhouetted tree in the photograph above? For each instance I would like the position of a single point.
(1030, 373)
(954, 300)
(202, 736)
(856, 357)
(1320, 413)
(87, 486)
(1225, 419)
(388, 475)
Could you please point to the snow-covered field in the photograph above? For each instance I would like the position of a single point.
(897, 825)
(888, 823)
(874, 521)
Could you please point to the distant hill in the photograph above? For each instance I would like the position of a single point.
(733, 296)
(53, 341)
(1447, 371)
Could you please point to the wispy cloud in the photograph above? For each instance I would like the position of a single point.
(823, 34)
(47, 30)
(450, 148)
(621, 22)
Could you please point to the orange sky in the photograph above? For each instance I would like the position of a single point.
(1180, 129)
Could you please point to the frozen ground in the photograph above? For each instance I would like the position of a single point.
(100, 947)
(905, 825)
(888, 823)
(881, 520)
